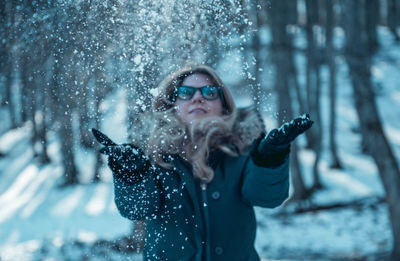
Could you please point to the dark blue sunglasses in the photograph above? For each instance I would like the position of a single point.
(208, 92)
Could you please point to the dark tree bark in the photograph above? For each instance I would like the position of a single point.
(359, 60)
(101, 89)
(250, 46)
(331, 54)
(3, 51)
(42, 123)
(84, 111)
(256, 50)
(292, 19)
(28, 97)
(99, 162)
(32, 65)
(24, 98)
(393, 17)
(372, 20)
(9, 12)
(38, 53)
(291, 9)
(86, 40)
(63, 96)
(44, 105)
(67, 150)
(313, 87)
(301, 192)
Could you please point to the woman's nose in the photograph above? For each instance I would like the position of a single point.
(197, 96)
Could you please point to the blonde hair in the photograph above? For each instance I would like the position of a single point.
(194, 144)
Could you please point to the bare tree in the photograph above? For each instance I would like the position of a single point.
(330, 55)
(359, 59)
(252, 53)
(372, 20)
(84, 23)
(282, 57)
(3, 52)
(64, 90)
(33, 57)
(101, 90)
(8, 15)
(313, 84)
(393, 7)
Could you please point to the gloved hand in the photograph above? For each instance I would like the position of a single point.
(129, 164)
(273, 149)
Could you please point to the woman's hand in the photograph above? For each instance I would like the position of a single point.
(127, 162)
(280, 139)
(273, 149)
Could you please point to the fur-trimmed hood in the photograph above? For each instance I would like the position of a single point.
(248, 125)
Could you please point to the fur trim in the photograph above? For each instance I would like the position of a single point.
(248, 125)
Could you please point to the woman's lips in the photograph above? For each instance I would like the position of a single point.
(197, 111)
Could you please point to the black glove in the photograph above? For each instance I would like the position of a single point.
(128, 163)
(272, 150)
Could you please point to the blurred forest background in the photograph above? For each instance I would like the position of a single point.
(60, 59)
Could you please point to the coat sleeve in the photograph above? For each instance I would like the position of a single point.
(265, 186)
(138, 200)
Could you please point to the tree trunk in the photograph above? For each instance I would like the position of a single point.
(372, 20)
(313, 86)
(393, 17)
(67, 150)
(42, 130)
(9, 95)
(9, 12)
(3, 53)
(42, 92)
(85, 137)
(330, 54)
(29, 93)
(377, 144)
(300, 190)
(101, 90)
(99, 161)
(359, 59)
(256, 50)
(63, 96)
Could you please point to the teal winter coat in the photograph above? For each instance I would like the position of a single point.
(185, 221)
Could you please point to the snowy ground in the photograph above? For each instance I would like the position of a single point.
(39, 221)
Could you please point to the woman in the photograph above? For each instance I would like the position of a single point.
(205, 166)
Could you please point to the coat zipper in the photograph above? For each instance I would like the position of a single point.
(204, 207)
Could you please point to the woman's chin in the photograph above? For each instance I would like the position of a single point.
(196, 118)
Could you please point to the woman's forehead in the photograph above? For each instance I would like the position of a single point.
(198, 79)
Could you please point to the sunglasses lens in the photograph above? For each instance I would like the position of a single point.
(185, 93)
(210, 92)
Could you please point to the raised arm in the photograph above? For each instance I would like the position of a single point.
(266, 177)
(137, 192)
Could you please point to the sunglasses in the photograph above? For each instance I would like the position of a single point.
(208, 92)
